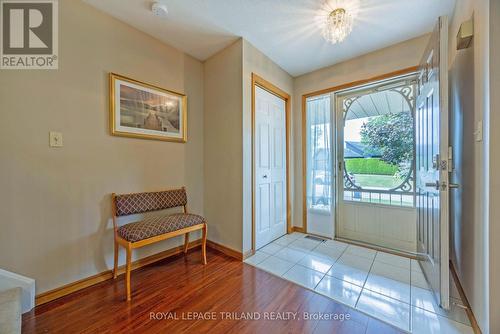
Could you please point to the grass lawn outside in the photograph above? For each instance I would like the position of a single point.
(377, 181)
(369, 166)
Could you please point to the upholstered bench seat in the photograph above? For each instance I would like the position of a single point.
(158, 225)
(153, 228)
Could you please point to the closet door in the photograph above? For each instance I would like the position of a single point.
(270, 167)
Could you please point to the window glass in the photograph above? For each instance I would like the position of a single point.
(378, 145)
(319, 153)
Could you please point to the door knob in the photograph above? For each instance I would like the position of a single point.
(443, 185)
(264, 176)
(433, 184)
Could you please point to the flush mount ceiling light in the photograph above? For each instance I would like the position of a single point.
(159, 9)
(338, 25)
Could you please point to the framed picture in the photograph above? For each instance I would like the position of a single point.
(142, 110)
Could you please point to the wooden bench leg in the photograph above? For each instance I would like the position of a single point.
(128, 265)
(115, 267)
(186, 242)
(204, 245)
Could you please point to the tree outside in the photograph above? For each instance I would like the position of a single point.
(388, 145)
(392, 136)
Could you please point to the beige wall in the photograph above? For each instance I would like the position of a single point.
(256, 62)
(469, 94)
(390, 59)
(228, 140)
(55, 212)
(223, 146)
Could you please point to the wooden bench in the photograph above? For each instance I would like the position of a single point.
(154, 228)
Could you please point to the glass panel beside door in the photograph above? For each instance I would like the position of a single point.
(319, 162)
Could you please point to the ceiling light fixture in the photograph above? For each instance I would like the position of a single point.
(337, 26)
(159, 9)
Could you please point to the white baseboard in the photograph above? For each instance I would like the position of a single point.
(9, 280)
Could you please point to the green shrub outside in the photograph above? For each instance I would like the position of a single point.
(373, 166)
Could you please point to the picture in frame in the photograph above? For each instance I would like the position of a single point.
(141, 110)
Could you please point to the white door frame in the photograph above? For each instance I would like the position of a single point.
(260, 82)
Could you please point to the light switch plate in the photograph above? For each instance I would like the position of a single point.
(55, 139)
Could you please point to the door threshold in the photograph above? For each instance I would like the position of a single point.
(409, 255)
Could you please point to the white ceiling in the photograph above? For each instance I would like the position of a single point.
(287, 31)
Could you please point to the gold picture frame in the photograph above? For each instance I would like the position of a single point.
(141, 110)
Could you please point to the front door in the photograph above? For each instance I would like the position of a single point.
(270, 167)
(432, 164)
(375, 146)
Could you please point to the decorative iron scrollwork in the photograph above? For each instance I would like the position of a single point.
(407, 185)
(349, 183)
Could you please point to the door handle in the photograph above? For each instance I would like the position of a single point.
(443, 185)
(264, 176)
(433, 184)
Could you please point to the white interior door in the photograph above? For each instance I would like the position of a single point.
(432, 164)
(270, 167)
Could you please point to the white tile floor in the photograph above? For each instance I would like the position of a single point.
(386, 286)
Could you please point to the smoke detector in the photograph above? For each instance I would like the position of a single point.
(159, 9)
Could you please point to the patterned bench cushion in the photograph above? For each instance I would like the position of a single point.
(128, 204)
(157, 225)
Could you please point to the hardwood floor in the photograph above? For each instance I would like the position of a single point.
(182, 287)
